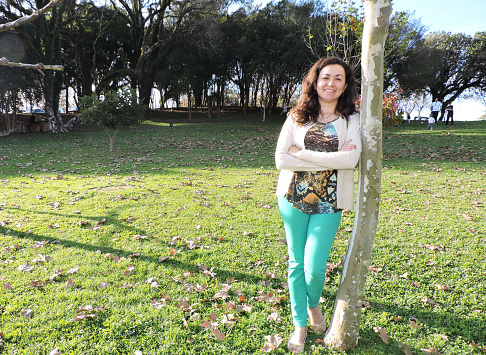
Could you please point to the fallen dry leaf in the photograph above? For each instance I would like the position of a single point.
(413, 323)
(223, 293)
(375, 269)
(207, 324)
(82, 316)
(204, 271)
(42, 258)
(366, 304)
(139, 237)
(443, 337)
(428, 300)
(37, 283)
(27, 313)
(272, 343)
(184, 305)
(73, 270)
(406, 349)
(124, 285)
(382, 333)
(271, 275)
(439, 248)
(228, 319)
(230, 305)
(430, 351)
(129, 270)
(57, 273)
(218, 334)
(27, 267)
(275, 317)
(244, 308)
(90, 308)
(157, 305)
(38, 244)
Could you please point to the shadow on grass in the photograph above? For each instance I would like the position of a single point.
(221, 274)
(427, 324)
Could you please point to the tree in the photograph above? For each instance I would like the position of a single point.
(154, 26)
(344, 328)
(455, 72)
(404, 35)
(41, 37)
(19, 22)
(342, 32)
(417, 100)
(96, 49)
(267, 52)
(115, 109)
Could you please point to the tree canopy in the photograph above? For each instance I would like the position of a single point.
(202, 51)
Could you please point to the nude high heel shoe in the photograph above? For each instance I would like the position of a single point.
(297, 348)
(317, 328)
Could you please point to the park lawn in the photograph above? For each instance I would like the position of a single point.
(173, 243)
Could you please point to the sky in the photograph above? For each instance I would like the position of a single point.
(444, 15)
(464, 16)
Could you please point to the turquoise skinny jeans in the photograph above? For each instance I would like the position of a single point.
(309, 241)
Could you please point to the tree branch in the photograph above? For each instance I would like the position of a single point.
(5, 62)
(26, 19)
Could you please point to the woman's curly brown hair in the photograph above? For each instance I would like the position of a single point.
(308, 107)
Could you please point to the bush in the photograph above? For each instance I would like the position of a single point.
(115, 109)
(391, 112)
(392, 115)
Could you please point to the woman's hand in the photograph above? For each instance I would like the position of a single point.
(348, 146)
(293, 150)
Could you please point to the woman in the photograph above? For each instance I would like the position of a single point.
(317, 150)
(450, 114)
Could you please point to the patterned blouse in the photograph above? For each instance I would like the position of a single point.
(314, 192)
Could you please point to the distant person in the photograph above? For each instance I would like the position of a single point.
(436, 106)
(431, 122)
(450, 114)
(318, 147)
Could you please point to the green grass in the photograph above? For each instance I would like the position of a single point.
(202, 194)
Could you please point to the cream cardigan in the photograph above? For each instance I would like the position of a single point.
(308, 160)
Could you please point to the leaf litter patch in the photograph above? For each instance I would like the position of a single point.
(115, 188)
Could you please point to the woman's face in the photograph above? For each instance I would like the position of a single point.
(331, 83)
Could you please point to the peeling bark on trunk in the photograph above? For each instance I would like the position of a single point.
(343, 332)
(55, 122)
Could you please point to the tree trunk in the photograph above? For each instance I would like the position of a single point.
(56, 125)
(343, 331)
(189, 103)
(112, 137)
